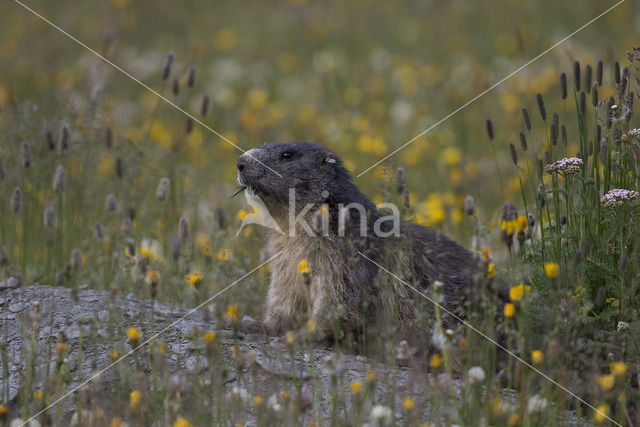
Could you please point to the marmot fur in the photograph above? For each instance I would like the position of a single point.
(347, 293)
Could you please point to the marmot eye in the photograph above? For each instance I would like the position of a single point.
(286, 155)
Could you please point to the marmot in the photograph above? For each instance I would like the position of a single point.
(347, 293)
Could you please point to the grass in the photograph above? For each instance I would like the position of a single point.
(85, 201)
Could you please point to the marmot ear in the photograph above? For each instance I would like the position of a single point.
(329, 160)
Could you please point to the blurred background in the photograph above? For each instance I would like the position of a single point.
(359, 77)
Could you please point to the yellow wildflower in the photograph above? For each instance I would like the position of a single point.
(241, 214)
(509, 226)
(134, 334)
(38, 395)
(602, 412)
(153, 276)
(232, 313)
(113, 354)
(289, 338)
(514, 419)
(182, 422)
(522, 222)
(551, 269)
(134, 398)
(498, 406)
(162, 348)
(355, 387)
(99, 413)
(435, 361)
(3, 410)
(451, 157)
(311, 325)
(285, 394)
(193, 279)
(408, 403)
(115, 422)
(204, 244)
(485, 254)
(209, 336)
(606, 382)
(509, 310)
(224, 255)
(225, 39)
(62, 347)
(537, 356)
(371, 376)
(257, 400)
(303, 267)
(618, 368)
(517, 292)
(491, 270)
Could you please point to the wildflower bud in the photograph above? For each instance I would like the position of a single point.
(531, 219)
(514, 154)
(541, 196)
(594, 95)
(76, 258)
(48, 217)
(4, 256)
(469, 205)
(599, 73)
(583, 103)
(204, 109)
(490, 129)
(183, 228)
(163, 189)
(119, 168)
(176, 87)
(221, 218)
(616, 72)
(48, 136)
(527, 120)
(25, 151)
(576, 76)
(563, 134)
(111, 203)
(563, 220)
(192, 77)
(2, 173)
(523, 141)
(108, 137)
(167, 66)
(63, 141)
(126, 226)
(563, 85)
(189, 126)
(587, 78)
(59, 179)
(400, 180)
(16, 200)
(99, 231)
(543, 111)
(131, 247)
(174, 246)
(556, 119)
(553, 133)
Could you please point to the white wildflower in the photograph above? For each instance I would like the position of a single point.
(618, 196)
(536, 403)
(380, 415)
(476, 375)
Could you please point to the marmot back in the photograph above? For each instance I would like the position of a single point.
(323, 218)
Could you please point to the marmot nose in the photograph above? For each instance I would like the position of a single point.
(241, 163)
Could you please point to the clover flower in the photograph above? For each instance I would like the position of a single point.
(476, 375)
(618, 196)
(380, 415)
(566, 166)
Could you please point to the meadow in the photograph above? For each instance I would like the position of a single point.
(106, 183)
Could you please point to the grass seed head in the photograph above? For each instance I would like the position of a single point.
(166, 72)
(576, 76)
(514, 153)
(126, 226)
(59, 179)
(599, 72)
(563, 85)
(108, 137)
(63, 140)
(469, 205)
(2, 172)
(163, 189)
(400, 181)
(204, 108)
(175, 88)
(543, 111)
(49, 218)
(490, 129)
(99, 231)
(111, 203)
(616, 72)
(16, 200)
(587, 78)
(526, 118)
(183, 228)
(76, 258)
(25, 151)
(523, 141)
(191, 81)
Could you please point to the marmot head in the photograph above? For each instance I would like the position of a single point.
(316, 173)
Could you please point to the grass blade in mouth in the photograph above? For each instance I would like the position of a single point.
(239, 190)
